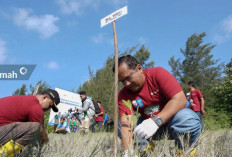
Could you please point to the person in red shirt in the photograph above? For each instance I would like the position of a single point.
(22, 119)
(197, 100)
(99, 118)
(160, 101)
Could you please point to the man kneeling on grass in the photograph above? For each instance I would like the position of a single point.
(62, 127)
(160, 101)
(22, 120)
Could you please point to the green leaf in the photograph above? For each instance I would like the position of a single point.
(127, 103)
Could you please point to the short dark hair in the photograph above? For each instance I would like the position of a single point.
(192, 84)
(99, 102)
(130, 61)
(82, 93)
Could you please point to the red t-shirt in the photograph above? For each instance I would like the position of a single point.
(20, 109)
(196, 96)
(100, 117)
(159, 87)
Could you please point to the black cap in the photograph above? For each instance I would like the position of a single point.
(55, 98)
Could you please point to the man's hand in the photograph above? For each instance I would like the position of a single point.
(203, 112)
(146, 129)
(44, 137)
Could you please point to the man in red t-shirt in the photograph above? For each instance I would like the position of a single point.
(22, 119)
(99, 118)
(197, 100)
(160, 101)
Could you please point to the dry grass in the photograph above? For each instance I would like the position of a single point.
(211, 144)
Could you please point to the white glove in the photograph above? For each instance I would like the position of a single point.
(146, 129)
(130, 153)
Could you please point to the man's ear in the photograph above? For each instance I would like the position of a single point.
(139, 67)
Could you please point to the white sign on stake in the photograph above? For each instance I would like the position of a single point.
(106, 20)
(115, 15)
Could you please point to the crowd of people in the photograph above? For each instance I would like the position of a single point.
(74, 120)
(154, 93)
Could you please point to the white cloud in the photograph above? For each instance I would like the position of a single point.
(98, 38)
(142, 40)
(44, 25)
(225, 32)
(3, 51)
(53, 65)
(77, 6)
(72, 23)
(118, 3)
(101, 38)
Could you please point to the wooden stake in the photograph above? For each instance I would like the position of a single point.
(115, 90)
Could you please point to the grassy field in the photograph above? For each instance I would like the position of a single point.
(211, 144)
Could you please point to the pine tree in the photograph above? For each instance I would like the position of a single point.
(43, 86)
(21, 91)
(198, 65)
(223, 92)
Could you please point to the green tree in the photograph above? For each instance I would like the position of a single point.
(42, 87)
(21, 91)
(223, 93)
(142, 55)
(198, 65)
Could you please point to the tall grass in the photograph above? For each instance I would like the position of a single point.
(211, 144)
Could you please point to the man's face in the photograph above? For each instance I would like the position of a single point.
(82, 97)
(131, 79)
(61, 120)
(46, 102)
(189, 87)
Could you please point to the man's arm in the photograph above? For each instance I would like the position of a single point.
(63, 128)
(176, 103)
(59, 127)
(44, 137)
(126, 133)
(99, 114)
(105, 118)
(86, 106)
(149, 126)
(203, 106)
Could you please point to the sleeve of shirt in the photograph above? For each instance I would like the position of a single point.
(102, 109)
(65, 124)
(199, 94)
(36, 115)
(86, 106)
(122, 108)
(167, 83)
(105, 119)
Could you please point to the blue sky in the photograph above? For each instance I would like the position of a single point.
(63, 37)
